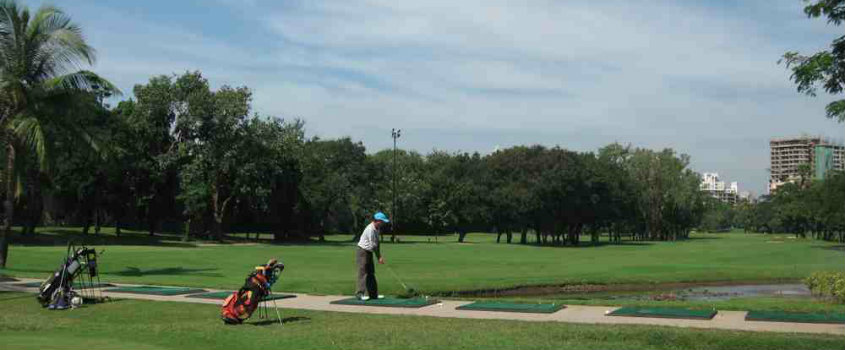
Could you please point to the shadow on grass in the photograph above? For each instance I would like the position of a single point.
(61, 236)
(99, 301)
(585, 244)
(839, 248)
(272, 321)
(131, 271)
(710, 236)
(346, 243)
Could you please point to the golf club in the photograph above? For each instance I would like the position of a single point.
(410, 291)
(397, 277)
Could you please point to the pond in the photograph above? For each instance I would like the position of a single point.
(689, 292)
(739, 291)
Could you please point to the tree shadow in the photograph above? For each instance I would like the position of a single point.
(131, 271)
(709, 236)
(588, 244)
(47, 271)
(304, 243)
(272, 321)
(838, 248)
(61, 237)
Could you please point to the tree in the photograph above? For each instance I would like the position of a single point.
(279, 146)
(513, 197)
(41, 53)
(334, 174)
(219, 148)
(155, 153)
(454, 192)
(717, 217)
(411, 187)
(825, 68)
(88, 182)
(617, 214)
(669, 202)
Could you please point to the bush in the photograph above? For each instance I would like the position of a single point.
(828, 285)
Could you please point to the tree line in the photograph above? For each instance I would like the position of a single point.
(814, 208)
(181, 156)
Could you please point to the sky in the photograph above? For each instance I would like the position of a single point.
(701, 77)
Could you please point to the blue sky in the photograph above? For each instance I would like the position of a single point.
(700, 77)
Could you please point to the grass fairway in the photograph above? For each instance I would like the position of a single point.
(327, 268)
(136, 324)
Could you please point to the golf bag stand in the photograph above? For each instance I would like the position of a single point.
(80, 266)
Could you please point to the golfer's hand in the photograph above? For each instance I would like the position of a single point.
(381, 260)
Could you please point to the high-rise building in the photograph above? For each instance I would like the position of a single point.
(711, 184)
(820, 155)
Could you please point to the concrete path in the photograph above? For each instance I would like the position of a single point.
(728, 320)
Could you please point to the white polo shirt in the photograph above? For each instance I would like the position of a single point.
(369, 239)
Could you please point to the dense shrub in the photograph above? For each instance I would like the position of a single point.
(829, 285)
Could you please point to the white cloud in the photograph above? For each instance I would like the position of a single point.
(472, 75)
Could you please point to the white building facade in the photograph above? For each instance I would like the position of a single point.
(725, 192)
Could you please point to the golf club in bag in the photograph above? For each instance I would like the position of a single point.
(239, 306)
(58, 292)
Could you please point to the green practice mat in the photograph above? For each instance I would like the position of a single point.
(782, 316)
(664, 312)
(388, 302)
(512, 307)
(224, 295)
(75, 285)
(156, 290)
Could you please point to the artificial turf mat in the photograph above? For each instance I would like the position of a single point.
(802, 317)
(388, 302)
(664, 312)
(156, 290)
(512, 307)
(75, 285)
(224, 295)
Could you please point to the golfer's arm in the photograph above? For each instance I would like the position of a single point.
(377, 248)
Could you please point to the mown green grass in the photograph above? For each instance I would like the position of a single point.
(328, 268)
(136, 324)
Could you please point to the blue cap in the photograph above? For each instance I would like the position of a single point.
(381, 217)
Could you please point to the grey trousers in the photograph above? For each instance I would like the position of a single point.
(367, 284)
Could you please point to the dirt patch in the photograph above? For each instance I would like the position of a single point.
(538, 290)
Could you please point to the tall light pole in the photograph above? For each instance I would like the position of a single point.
(395, 133)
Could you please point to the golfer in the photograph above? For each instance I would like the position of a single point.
(367, 246)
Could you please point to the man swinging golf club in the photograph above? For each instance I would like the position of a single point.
(367, 246)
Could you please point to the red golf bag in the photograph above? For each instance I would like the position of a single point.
(241, 304)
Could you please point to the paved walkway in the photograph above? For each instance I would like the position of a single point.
(729, 320)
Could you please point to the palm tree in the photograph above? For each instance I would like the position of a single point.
(40, 59)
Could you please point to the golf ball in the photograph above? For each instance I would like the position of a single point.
(76, 301)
